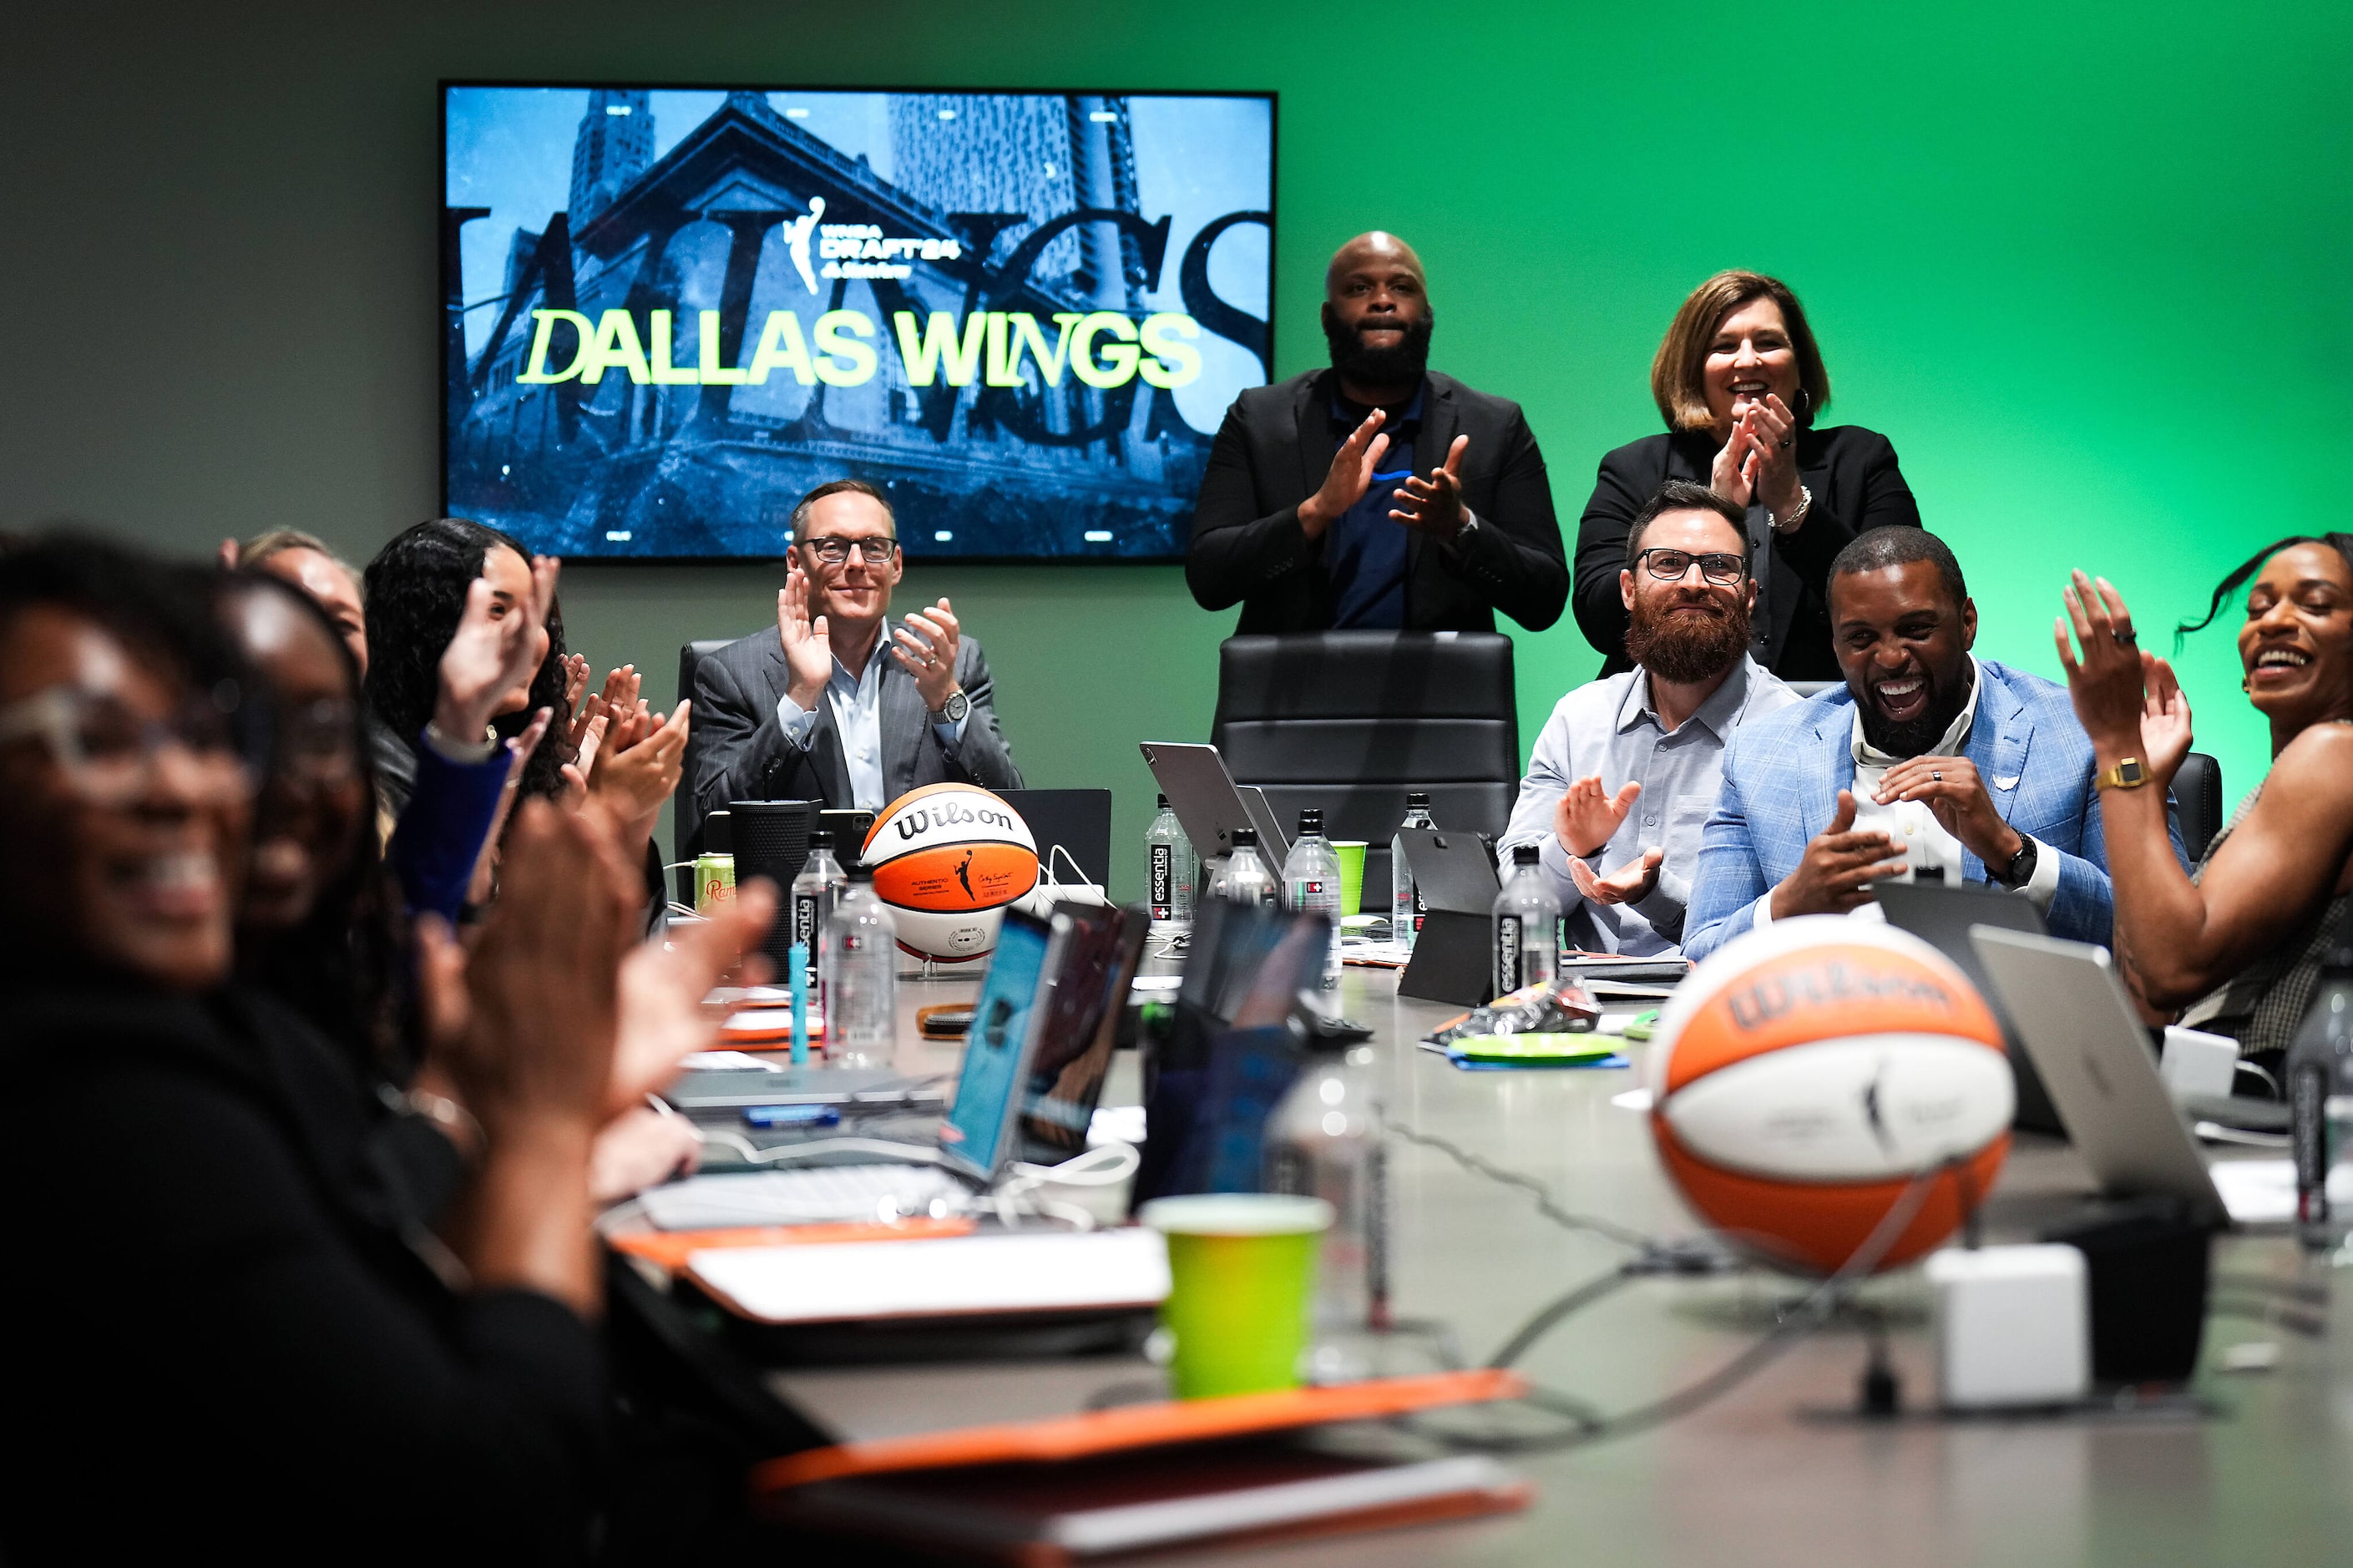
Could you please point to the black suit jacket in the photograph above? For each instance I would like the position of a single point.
(1856, 485)
(735, 749)
(1273, 453)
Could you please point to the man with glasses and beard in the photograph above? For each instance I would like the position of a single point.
(1378, 493)
(1928, 757)
(1627, 769)
(825, 706)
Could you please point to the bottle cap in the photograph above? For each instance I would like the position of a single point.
(1526, 854)
(821, 838)
(860, 871)
(1311, 820)
(718, 834)
(1164, 803)
(1245, 838)
(1416, 797)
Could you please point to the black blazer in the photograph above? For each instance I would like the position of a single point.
(1856, 485)
(228, 1270)
(735, 749)
(1273, 451)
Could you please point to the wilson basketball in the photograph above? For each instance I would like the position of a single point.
(947, 858)
(1804, 1076)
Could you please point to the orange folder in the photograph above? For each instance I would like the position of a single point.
(671, 1249)
(1128, 1427)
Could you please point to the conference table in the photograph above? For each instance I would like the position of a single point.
(2256, 1469)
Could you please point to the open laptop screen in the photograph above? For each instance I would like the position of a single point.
(996, 1048)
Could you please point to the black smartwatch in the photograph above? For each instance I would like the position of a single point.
(2021, 870)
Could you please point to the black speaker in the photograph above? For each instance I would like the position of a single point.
(772, 841)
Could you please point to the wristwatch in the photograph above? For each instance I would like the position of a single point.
(952, 710)
(2126, 774)
(2021, 870)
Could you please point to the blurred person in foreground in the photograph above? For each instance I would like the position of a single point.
(306, 561)
(2236, 945)
(311, 1364)
(1378, 493)
(1627, 767)
(1927, 756)
(1740, 381)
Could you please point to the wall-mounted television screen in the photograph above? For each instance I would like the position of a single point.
(670, 312)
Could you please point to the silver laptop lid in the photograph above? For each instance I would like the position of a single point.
(1206, 803)
(2078, 1026)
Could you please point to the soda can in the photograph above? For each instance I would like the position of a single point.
(714, 881)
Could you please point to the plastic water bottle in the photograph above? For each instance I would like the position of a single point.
(815, 892)
(2319, 1071)
(1245, 880)
(1405, 898)
(858, 973)
(1171, 867)
(1311, 880)
(1324, 1141)
(1527, 925)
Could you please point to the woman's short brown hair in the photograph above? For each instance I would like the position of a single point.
(1677, 373)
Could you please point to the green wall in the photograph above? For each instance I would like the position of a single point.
(2081, 263)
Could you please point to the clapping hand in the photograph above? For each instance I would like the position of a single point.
(1839, 867)
(927, 647)
(1589, 814)
(1350, 476)
(1434, 505)
(809, 652)
(1955, 793)
(663, 1018)
(1635, 879)
(1761, 454)
(2109, 682)
(492, 653)
(2164, 729)
(634, 773)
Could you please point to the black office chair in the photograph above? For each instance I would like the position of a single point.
(686, 823)
(1351, 720)
(2197, 804)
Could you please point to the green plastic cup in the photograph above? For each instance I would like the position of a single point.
(1352, 875)
(1241, 1270)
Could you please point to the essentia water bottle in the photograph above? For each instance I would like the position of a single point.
(1170, 868)
(1405, 898)
(859, 967)
(1311, 880)
(1527, 925)
(1324, 1141)
(1245, 880)
(2319, 1074)
(815, 892)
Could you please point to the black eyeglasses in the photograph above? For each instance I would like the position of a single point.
(1670, 565)
(833, 550)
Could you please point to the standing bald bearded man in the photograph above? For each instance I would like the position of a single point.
(1377, 494)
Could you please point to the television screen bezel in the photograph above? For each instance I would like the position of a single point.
(444, 260)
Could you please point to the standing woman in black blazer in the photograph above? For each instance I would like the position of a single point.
(1740, 381)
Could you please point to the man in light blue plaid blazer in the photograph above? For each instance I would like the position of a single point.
(1952, 761)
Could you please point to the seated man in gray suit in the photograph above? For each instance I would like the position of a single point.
(823, 707)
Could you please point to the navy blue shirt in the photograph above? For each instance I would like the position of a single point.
(1365, 551)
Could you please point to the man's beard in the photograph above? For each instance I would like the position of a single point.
(1686, 649)
(1914, 736)
(1367, 367)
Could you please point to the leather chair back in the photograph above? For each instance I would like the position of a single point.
(686, 825)
(2196, 805)
(1350, 721)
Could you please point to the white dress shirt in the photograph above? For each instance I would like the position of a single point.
(1913, 827)
(857, 702)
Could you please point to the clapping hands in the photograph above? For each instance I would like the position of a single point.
(1760, 455)
(495, 650)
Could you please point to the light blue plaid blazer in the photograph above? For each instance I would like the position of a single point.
(1782, 774)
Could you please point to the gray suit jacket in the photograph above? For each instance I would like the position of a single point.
(735, 749)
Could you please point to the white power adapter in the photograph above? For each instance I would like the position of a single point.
(2013, 1326)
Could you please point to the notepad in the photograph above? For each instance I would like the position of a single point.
(1047, 1271)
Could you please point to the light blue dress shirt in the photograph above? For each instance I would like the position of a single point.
(1609, 727)
(857, 701)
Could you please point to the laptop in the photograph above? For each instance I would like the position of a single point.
(1943, 915)
(1077, 820)
(2079, 1026)
(1209, 805)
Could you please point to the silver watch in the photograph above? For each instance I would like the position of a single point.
(954, 710)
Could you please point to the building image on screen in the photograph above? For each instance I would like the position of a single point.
(669, 313)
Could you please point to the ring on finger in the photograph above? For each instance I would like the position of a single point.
(2123, 634)
(1785, 443)
(1936, 778)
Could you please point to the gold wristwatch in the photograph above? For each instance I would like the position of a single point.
(2126, 774)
